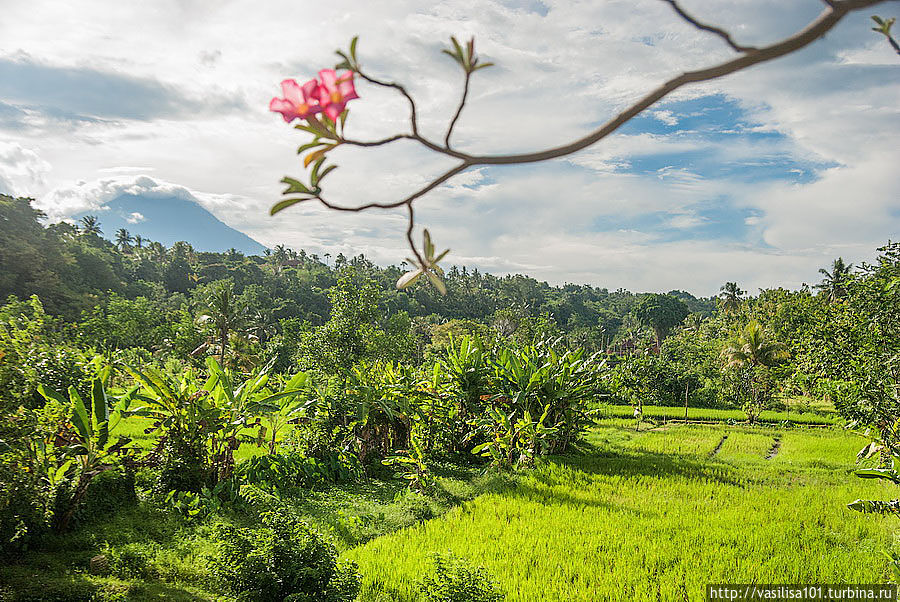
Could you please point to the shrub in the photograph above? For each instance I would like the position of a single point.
(23, 508)
(455, 580)
(282, 560)
(109, 492)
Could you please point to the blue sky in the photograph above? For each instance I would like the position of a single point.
(762, 177)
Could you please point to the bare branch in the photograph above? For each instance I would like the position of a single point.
(812, 32)
(462, 103)
(412, 104)
(394, 204)
(378, 142)
(411, 224)
(710, 28)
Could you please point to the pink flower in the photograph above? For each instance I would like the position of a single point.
(299, 102)
(335, 91)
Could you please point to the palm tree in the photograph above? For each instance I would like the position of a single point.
(225, 311)
(123, 239)
(834, 284)
(278, 258)
(730, 293)
(90, 225)
(138, 241)
(753, 348)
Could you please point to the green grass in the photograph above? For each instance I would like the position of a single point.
(650, 515)
(717, 415)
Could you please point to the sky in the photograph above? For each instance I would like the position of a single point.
(761, 178)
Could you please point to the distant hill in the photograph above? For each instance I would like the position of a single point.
(170, 219)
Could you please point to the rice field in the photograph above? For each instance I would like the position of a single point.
(664, 413)
(657, 514)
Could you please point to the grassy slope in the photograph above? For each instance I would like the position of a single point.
(651, 516)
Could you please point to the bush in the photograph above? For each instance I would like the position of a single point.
(109, 492)
(282, 560)
(183, 467)
(23, 509)
(454, 580)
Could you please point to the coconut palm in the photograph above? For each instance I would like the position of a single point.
(123, 239)
(90, 225)
(225, 311)
(752, 347)
(834, 285)
(730, 293)
(138, 241)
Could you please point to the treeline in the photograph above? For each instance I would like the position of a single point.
(134, 292)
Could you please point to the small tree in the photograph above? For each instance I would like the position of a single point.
(662, 313)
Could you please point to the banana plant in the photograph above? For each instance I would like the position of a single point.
(90, 444)
(412, 467)
(236, 408)
(388, 399)
(514, 443)
(277, 414)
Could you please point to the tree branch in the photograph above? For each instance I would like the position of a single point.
(710, 28)
(462, 103)
(412, 104)
(831, 16)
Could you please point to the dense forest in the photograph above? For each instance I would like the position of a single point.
(328, 374)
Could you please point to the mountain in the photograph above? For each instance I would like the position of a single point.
(169, 219)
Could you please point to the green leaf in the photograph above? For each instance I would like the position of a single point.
(99, 412)
(314, 175)
(879, 473)
(281, 205)
(408, 279)
(294, 186)
(325, 172)
(429, 247)
(308, 146)
(50, 394)
(437, 282)
(459, 50)
(80, 419)
(353, 47)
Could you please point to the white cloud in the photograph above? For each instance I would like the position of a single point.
(22, 170)
(135, 218)
(666, 117)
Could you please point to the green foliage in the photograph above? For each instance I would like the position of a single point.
(88, 439)
(283, 559)
(33, 351)
(455, 580)
(511, 442)
(288, 470)
(662, 313)
(412, 467)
